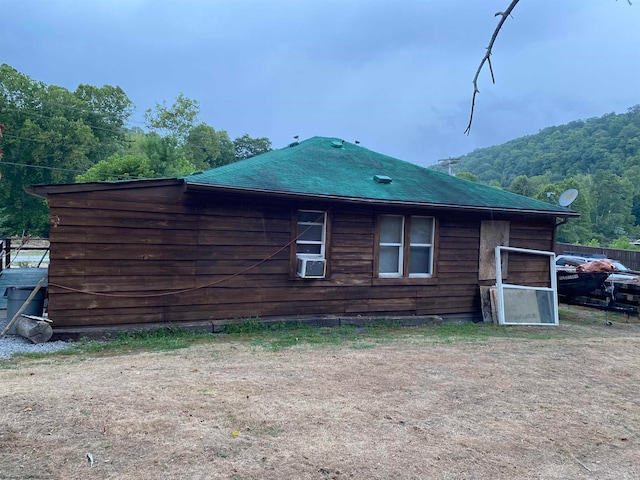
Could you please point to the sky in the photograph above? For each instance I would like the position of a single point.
(396, 76)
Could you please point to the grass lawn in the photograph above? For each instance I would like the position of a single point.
(450, 401)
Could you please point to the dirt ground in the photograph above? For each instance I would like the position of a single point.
(409, 407)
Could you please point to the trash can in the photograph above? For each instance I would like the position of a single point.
(17, 295)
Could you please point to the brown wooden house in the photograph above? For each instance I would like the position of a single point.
(321, 228)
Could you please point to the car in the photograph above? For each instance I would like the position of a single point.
(622, 272)
(570, 260)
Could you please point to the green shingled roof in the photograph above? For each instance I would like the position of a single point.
(327, 167)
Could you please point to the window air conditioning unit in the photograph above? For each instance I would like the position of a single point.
(309, 267)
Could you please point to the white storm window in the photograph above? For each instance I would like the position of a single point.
(312, 233)
(406, 246)
(421, 246)
(391, 246)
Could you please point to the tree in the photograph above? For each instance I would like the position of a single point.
(623, 243)
(247, 147)
(207, 148)
(110, 108)
(165, 155)
(177, 120)
(149, 156)
(522, 186)
(576, 230)
(467, 176)
(118, 168)
(202, 147)
(51, 135)
(635, 209)
(227, 149)
(612, 198)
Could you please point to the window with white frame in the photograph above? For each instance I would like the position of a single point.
(312, 231)
(406, 246)
(391, 246)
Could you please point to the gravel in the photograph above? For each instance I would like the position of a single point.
(10, 344)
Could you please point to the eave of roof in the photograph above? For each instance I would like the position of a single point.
(194, 187)
(52, 189)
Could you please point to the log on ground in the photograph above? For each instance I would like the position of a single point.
(37, 331)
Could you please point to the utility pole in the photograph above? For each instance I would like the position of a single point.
(447, 162)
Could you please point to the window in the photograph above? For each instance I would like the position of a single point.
(391, 246)
(311, 233)
(311, 237)
(406, 246)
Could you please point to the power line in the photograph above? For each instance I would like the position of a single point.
(124, 176)
(44, 167)
(8, 135)
(101, 152)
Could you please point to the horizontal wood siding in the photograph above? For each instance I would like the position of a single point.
(529, 269)
(135, 256)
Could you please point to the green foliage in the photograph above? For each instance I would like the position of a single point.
(577, 230)
(612, 199)
(467, 176)
(635, 206)
(207, 148)
(600, 157)
(522, 185)
(202, 147)
(247, 147)
(164, 339)
(177, 120)
(150, 156)
(282, 335)
(610, 142)
(118, 168)
(249, 325)
(227, 149)
(51, 135)
(623, 243)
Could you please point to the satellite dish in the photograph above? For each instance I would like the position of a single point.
(568, 197)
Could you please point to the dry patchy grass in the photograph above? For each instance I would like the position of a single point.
(417, 404)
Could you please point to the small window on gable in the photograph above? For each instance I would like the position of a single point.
(406, 246)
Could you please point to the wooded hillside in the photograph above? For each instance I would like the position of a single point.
(600, 157)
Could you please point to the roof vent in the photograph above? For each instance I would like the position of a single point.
(337, 143)
(382, 179)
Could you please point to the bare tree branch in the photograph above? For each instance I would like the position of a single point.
(487, 59)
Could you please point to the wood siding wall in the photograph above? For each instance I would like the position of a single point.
(158, 255)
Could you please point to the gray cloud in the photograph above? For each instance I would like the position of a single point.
(394, 75)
